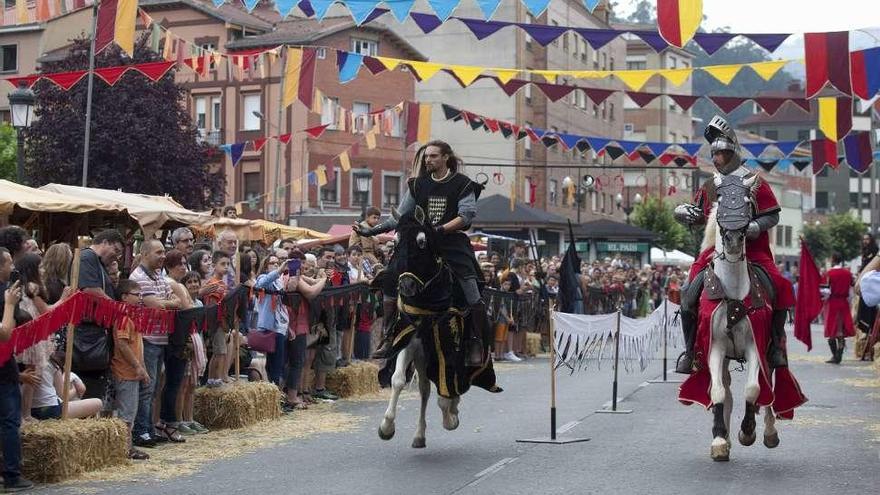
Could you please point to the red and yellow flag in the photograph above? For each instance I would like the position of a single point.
(116, 21)
(678, 20)
(299, 76)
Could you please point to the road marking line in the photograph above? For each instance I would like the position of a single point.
(567, 426)
(495, 467)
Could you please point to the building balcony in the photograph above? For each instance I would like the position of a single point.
(212, 137)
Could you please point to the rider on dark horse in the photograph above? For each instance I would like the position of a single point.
(449, 199)
(765, 209)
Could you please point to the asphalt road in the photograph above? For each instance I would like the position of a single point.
(832, 446)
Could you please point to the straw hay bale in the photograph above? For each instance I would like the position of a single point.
(533, 344)
(54, 450)
(860, 341)
(358, 378)
(877, 357)
(237, 405)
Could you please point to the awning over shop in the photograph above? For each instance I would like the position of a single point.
(38, 200)
(674, 257)
(494, 212)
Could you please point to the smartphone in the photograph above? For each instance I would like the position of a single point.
(14, 277)
(293, 266)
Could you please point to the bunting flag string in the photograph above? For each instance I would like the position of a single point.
(29, 12)
(349, 63)
(110, 75)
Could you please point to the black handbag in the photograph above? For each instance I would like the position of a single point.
(92, 348)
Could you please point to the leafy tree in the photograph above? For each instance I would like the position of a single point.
(845, 232)
(8, 156)
(818, 240)
(655, 215)
(142, 138)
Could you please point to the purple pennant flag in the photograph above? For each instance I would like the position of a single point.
(554, 92)
(653, 39)
(544, 35)
(629, 146)
(712, 42)
(691, 148)
(857, 146)
(426, 22)
(306, 7)
(767, 41)
(313, 179)
(641, 98)
(598, 95)
(375, 14)
(727, 104)
(685, 101)
(374, 65)
(511, 87)
(755, 148)
(769, 104)
(236, 150)
(482, 29)
(597, 38)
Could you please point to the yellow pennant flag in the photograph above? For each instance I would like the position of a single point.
(466, 74)
(724, 73)
(828, 117)
(321, 173)
(425, 70)
(551, 76)
(297, 187)
(168, 49)
(768, 69)
(21, 11)
(371, 140)
(676, 76)
(389, 63)
(318, 103)
(513, 194)
(634, 79)
(424, 129)
(505, 75)
(291, 76)
(344, 161)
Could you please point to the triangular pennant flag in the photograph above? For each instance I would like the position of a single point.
(348, 64)
(487, 7)
(554, 92)
(768, 164)
(685, 101)
(285, 138)
(344, 161)
(597, 38)
(676, 76)
(371, 140)
(712, 42)
(570, 140)
(768, 69)
(653, 39)
(755, 148)
(465, 74)
(641, 99)
(787, 147)
(66, 80)
(316, 131)
(482, 29)
(835, 117)
(727, 104)
(504, 76)
(321, 7)
(678, 20)
(426, 22)
(591, 4)
(506, 129)
(800, 165)
(361, 10)
(109, 74)
(259, 143)
(312, 177)
(424, 70)
(374, 65)
(723, 73)
(400, 8)
(767, 41)
(769, 104)
(542, 33)
(535, 7)
(657, 148)
(857, 148)
(614, 152)
(634, 79)
(284, 6)
(443, 8)
(598, 96)
(389, 63)
(250, 5)
(597, 144)
(691, 148)
(321, 175)
(628, 146)
(450, 112)
(235, 151)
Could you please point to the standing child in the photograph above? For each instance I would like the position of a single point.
(217, 370)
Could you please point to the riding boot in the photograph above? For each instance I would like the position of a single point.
(832, 343)
(389, 315)
(841, 346)
(479, 331)
(776, 357)
(685, 364)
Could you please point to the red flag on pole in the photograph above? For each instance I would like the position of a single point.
(809, 303)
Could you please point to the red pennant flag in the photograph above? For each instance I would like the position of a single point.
(285, 138)
(111, 75)
(28, 80)
(66, 80)
(809, 303)
(355, 149)
(824, 152)
(154, 70)
(330, 173)
(259, 143)
(827, 61)
(727, 104)
(641, 99)
(685, 101)
(317, 131)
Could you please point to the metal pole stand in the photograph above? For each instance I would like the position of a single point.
(665, 342)
(553, 439)
(614, 409)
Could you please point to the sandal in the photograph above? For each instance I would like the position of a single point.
(300, 405)
(138, 455)
(170, 432)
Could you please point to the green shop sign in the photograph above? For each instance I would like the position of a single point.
(623, 247)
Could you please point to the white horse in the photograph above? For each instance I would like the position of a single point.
(414, 353)
(737, 342)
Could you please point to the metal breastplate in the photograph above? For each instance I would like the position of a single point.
(734, 211)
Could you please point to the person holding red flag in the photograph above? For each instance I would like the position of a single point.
(838, 321)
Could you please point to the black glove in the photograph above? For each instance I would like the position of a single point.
(363, 232)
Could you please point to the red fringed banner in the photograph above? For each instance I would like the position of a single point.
(110, 75)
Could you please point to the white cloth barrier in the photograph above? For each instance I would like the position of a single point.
(581, 339)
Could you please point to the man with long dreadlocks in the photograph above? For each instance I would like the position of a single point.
(726, 157)
(449, 199)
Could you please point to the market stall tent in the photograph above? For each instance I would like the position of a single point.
(674, 257)
(39, 200)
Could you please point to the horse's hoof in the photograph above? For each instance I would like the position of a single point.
(747, 439)
(386, 436)
(721, 451)
(451, 424)
(771, 441)
(418, 443)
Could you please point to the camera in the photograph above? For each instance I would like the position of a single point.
(14, 277)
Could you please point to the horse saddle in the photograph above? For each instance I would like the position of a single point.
(761, 291)
(734, 212)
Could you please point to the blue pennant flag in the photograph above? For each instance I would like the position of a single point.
(783, 165)
(285, 6)
(400, 8)
(755, 148)
(313, 179)
(691, 148)
(218, 3)
(536, 7)
(598, 144)
(349, 64)
(787, 147)
(321, 7)
(443, 8)
(234, 150)
(361, 9)
(751, 163)
(570, 140)
(250, 5)
(488, 7)
(629, 146)
(657, 148)
(591, 5)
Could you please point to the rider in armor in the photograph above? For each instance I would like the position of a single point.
(449, 200)
(765, 209)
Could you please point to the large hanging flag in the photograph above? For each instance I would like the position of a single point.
(865, 69)
(116, 22)
(569, 288)
(857, 148)
(835, 117)
(678, 20)
(824, 152)
(809, 303)
(299, 76)
(418, 123)
(827, 61)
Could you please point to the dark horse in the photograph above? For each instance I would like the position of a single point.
(431, 330)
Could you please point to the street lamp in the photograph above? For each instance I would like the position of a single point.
(21, 104)
(629, 206)
(362, 179)
(581, 196)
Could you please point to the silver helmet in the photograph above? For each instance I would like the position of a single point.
(721, 137)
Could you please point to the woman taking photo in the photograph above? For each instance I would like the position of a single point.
(272, 316)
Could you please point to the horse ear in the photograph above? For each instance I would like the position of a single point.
(420, 215)
(717, 180)
(750, 181)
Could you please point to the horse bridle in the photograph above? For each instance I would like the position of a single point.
(723, 256)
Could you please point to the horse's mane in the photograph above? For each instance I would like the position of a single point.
(711, 229)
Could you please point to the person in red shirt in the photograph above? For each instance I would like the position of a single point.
(838, 320)
(726, 157)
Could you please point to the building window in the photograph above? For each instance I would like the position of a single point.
(788, 234)
(395, 121)
(595, 111)
(780, 234)
(8, 58)
(530, 19)
(328, 112)
(580, 99)
(673, 63)
(527, 143)
(584, 49)
(201, 105)
(555, 131)
(636, 65)
(361, 111)
(527, 91)
(611, 112)
(803, 135)
(595, 60)
(330, 190)
(216, 116)
(369, 48)
(321, 53)
(358, 199)
(604, 61)
(390, 191)
(604, 109)
(253, 186)
(209, 48)
(822, 200)
(611, 64)
(552, 188)
(564, 40)
(250, 103)
(771, 134)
